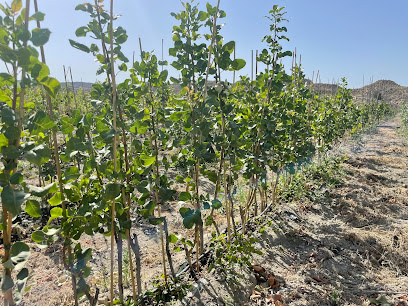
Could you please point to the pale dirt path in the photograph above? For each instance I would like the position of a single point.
(351, 247)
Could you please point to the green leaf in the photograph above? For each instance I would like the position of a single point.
(81, 31)
(7, 283)
(82, 261)
(180, 179)
(8, 264)
(4, 179)
(83, 286)
(16, 178)
(7, 78)
(39, 71)
(19, 254)
(24, 55)
(177, 116)
(51, 86)
(40, 123)
(39, 16)
(3, 141)
(174, 80)
(7, 54)
(172, 238)
(71, 173)
(8, 116)
(22, 278)
(42, 191)
(12, 199)
(202, 15)
(81, 7)
(216, 204)
(185, 196)
(40, 37)
(56, 199)
(156, 221)
(79, 46)
(12, 132)
(3, 36)
(38, 236)
(229, 47)
(211, 175)
(73, 193)
(55, 212)
(10, 152)
(147, 160)
(112, 191)
(66, 125)
(33, 208)
(190, 217)
(39, 155)
(238, 64)
(163, 75)
(148, 209)
(16, 5)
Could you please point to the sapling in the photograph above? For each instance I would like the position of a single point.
(15, 52)
(67, 243)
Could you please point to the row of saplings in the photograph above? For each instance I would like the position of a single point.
(119, 161)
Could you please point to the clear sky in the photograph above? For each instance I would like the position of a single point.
(350, 38)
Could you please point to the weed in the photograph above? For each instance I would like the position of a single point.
(228, 256)
(312, 182)
(164, 292)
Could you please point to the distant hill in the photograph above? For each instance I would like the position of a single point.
(386, 90)
(86, 86)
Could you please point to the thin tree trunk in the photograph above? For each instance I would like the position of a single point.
(170, 260)
(134, 243)
(119, 244)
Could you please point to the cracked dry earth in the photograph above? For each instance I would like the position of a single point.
(349, 249)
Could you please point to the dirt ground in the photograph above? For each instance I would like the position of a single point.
(351, 249)
(345, 250)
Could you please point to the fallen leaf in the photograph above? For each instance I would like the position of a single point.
(258, 268)
(261, 277)
(317, 278)
(277, 297)
(255, 296)
(272, 282)
(269, 299)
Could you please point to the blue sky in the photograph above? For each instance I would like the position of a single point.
(348, 38)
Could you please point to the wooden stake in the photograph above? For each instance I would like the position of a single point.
(233, 75)
(115, 141)
(162, 53)
(252, 66)
(140, 47)
(67, 89)
(256, 63)
(73, 89)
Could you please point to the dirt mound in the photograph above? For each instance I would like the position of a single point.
(348, 248)
(385, 90)
(382, 90)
